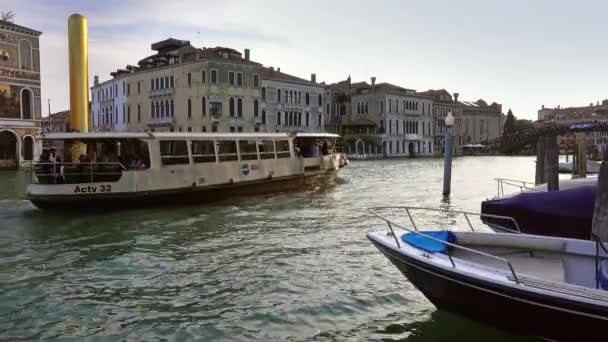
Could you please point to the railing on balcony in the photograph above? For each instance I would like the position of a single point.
(163, 121)
(161, 92)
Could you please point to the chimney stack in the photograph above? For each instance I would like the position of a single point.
(271, 68)
(542, 107)
(95, 80)
(246, 54)
(278, 69)
(373, 80)
(456, 97)
(313, 78)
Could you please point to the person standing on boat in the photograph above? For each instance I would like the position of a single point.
(325, 148)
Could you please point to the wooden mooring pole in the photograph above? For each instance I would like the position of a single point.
(552, 163)
(581, 138)
(540, 161)
(599, 226)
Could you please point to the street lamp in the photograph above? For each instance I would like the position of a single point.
(447, 162)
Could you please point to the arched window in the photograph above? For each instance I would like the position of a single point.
(26, 104)
(382, 126)
(204, 106)
(172, 108)
(231, 106)
(162, 110)
(25, 54)
(255, 108)
(390, 126)
(263, 93)
(404, 106)
(320, 100)
(279, 95)
(167, 108)
(396, 106)
(28, 148)
(307, 99)
(239, 107)
(189, 108)
(381, 106)
(390, 105)
(138, 113)
(358, 107)
(278, 118)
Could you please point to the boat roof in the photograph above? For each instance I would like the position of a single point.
(181, 135)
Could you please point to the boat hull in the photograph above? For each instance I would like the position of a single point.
(508, 308)
(174, 197)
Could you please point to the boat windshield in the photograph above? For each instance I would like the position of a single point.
(104, 161)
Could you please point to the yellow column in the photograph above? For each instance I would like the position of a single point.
(79, 79)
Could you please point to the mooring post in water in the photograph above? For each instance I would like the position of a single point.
(581, 138)
(540, 161)
(600, 214)
(447, 161)
(552, 163)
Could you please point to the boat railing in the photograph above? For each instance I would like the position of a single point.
(522, 185)
(76, 173)
(408, 210)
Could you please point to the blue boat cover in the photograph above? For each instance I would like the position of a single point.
(430, 245)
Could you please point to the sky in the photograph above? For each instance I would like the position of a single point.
(522, 54)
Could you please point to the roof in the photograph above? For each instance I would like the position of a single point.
(271, 74)
(175, 135)
(17, 28)
(169, 43)
(62, 114)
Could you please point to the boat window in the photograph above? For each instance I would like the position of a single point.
(227, 150)
(174, 152)
(248, 150)
(283, 149)
(266, 148)
(203, 152)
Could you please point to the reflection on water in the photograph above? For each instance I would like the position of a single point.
(293, 266)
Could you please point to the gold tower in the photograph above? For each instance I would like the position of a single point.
(79, 78)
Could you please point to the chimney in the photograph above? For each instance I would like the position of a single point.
(373, 81)
(456, 97)
(271, 68)
(313, 78)
(542, 107)
(246, 54)
(95, 80)
(278, 69)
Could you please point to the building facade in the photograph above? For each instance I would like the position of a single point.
(289, 103)
(382, 120)
(444, 103)
(184, 89)
(20, 104)
(481, 122)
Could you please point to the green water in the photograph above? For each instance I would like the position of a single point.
(287, 267)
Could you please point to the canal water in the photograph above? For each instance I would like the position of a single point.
(287, 267)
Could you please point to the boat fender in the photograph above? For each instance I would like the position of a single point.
(603, 275)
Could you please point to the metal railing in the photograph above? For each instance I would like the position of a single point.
(522, 185)
(75, 173)
(390, 223)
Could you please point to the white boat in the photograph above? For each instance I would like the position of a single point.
(548, 287)
(124, 170)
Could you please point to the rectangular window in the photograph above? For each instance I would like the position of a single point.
(173, 152)
(278, 118)
(204, 129)
(172, 85)
(307, 119)
(263, 117)
(157, 84)
(231, 129)
(204, 76)
(167, 84)
(152, 84)
(128, 113)
(231, 77)
(283, 150)
(247, 149)
(128, 89)
(189, 129)
(256, 81)
(189, 79)
(227, 150)
(214, 128)
(266, 148)
(162, 83)
(213, 76)
(239, 129)
(215, 108)
(138, 87)
(239, 79)
(202, 151)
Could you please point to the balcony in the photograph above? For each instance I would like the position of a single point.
(413, 137)
(161, 92)
(165, 121)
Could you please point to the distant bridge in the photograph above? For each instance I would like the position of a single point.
(509, 143)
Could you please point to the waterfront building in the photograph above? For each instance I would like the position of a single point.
(289, 103)
(443, 102)
(109, 105)
(184, 89)
(383, 119)
(20, 105)
(481, 122)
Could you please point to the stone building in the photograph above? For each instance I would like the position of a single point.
(20, 105)
(109, 107)
(185, 89)
(289, 103)
(382, 120)
(481, 122)
(443, 103)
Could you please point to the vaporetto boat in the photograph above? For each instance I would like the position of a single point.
(122, 170)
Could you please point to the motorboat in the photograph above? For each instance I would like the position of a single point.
(547, 287)
(564, 213)
(139, 169)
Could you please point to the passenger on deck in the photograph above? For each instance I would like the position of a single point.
(59, 175)
(325, 148)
